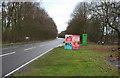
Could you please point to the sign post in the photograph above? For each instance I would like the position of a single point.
(84, 39)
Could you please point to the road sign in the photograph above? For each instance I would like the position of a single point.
(84, 39)
(75, 42)
(72, 42)
(68, 42)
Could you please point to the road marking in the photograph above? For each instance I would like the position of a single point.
(5, 48)
(117, 65)
(27, 63)
(29, 48)
(10, 47)
(7, 54)
(41, 45)
(26, 45)
(16, 47)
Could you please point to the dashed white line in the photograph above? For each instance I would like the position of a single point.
(26, 63)
(7, 54)
(10, 48)
(16, 47)
(117, 65)
(5, 48)
(41, 45)
(29, 48)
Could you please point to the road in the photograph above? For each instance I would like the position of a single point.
(13, 57)
(115, 63)
(17, 55)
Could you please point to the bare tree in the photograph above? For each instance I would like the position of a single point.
(21, 19)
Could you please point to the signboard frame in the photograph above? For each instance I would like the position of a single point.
(72, 42)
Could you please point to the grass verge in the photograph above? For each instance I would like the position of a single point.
(60, 62)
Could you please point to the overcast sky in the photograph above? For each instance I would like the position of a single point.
(60, 11)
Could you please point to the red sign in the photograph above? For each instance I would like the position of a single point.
(68, 38)
(75, 42)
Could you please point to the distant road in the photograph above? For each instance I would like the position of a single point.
(17, 55)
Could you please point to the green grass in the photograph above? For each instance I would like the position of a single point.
(61, 62)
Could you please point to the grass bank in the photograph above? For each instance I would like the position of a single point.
(88, 61)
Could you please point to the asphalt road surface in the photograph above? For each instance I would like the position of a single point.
(17, 55)
(115, 63)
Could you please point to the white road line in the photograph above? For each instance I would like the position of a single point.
(27, 63)
(29, 48)
(16, 47)
(117, 65)
(41, 45)
(10, 48)
(7, 54)
(5, 48)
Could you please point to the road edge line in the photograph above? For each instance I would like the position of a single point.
(27, 63)
(31, 61)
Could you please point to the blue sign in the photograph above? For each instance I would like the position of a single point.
(68, 45)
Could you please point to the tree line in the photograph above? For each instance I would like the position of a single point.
(26, 19)
(100, 20)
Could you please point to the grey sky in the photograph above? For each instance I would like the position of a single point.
(60, 11)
